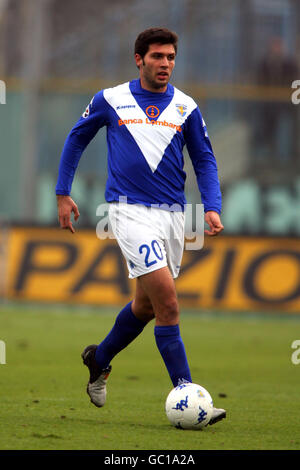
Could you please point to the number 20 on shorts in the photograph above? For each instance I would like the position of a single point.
(149, 251)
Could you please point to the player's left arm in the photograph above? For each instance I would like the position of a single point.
(205, 167)
(213, 220)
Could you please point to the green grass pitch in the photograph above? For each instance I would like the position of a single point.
(244, 360)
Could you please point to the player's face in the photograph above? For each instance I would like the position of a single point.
(156, 67)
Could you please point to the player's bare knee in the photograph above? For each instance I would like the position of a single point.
(168, 313)
(143, 310)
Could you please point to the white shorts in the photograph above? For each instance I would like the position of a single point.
(149, 238)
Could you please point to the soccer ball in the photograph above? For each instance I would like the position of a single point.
(206, 394)
(189, 406)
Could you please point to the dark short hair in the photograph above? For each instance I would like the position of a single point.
(154, 36)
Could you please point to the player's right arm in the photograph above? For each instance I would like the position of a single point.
(65, 207)
(94, 117)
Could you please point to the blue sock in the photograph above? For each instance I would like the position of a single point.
(172, 350)
(126, 328)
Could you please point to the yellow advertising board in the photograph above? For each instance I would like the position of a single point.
(229, 273)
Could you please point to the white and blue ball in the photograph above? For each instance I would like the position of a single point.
(189, 406)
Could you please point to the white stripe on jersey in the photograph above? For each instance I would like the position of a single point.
(152, 139)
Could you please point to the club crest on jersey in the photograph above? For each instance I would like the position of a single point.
(181, 109)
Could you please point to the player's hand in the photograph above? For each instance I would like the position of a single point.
(65, 207)
(214, 222)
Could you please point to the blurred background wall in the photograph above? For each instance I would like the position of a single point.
(237, 58)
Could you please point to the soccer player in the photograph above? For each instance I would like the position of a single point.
(148, 122)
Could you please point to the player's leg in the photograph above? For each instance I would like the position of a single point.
(129, 323)
(138, 234)
(160, 288)
(126, 328)
(141, 304)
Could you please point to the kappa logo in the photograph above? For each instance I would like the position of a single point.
(152, 112)
(87, 111)
(204, 127)
(126, 106)
(181, 109)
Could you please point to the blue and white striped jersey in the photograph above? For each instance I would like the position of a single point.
(146, 134)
